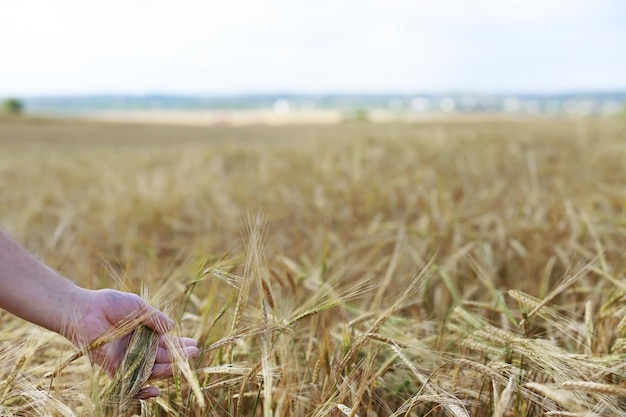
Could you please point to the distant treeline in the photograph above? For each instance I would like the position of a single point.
(601, 102)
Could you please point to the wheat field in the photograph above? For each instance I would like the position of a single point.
(451, 268)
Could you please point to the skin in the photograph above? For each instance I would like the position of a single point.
(37, 293)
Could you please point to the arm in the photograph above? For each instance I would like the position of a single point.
(38, 294)
(33, 291)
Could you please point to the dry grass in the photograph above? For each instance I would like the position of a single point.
(444, 269)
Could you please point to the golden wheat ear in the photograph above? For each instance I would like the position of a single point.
(123, 328)
(133, 373)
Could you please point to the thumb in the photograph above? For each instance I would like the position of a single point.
(157, 321)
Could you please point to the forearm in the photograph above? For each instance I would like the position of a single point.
(32, 291)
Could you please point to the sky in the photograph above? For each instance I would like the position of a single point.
(206, 47)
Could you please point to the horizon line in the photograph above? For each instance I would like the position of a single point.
(296, 94)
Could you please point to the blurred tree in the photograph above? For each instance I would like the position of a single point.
(12, 106)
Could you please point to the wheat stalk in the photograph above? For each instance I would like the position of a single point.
(133, 373)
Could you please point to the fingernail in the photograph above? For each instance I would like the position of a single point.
(193, 352)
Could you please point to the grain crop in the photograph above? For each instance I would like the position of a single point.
(444, 268)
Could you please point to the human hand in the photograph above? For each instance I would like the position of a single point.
(101, 311)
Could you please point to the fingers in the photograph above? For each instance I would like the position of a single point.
(161, 370)
(170, 351)
(148, 392)
(167, 341)
(118, 306)
(157, 321)
(165, 355)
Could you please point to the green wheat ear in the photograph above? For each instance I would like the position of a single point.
(133, 373)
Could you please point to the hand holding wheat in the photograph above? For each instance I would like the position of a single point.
(39, 294)
(104, 310)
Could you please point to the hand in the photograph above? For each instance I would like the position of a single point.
(102, 310)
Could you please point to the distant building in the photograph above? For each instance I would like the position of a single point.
(447, 104)
(420, 104)
(282, 106)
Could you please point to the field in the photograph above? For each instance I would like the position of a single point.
(452, 268)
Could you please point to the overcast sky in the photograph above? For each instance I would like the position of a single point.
(311, 46)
